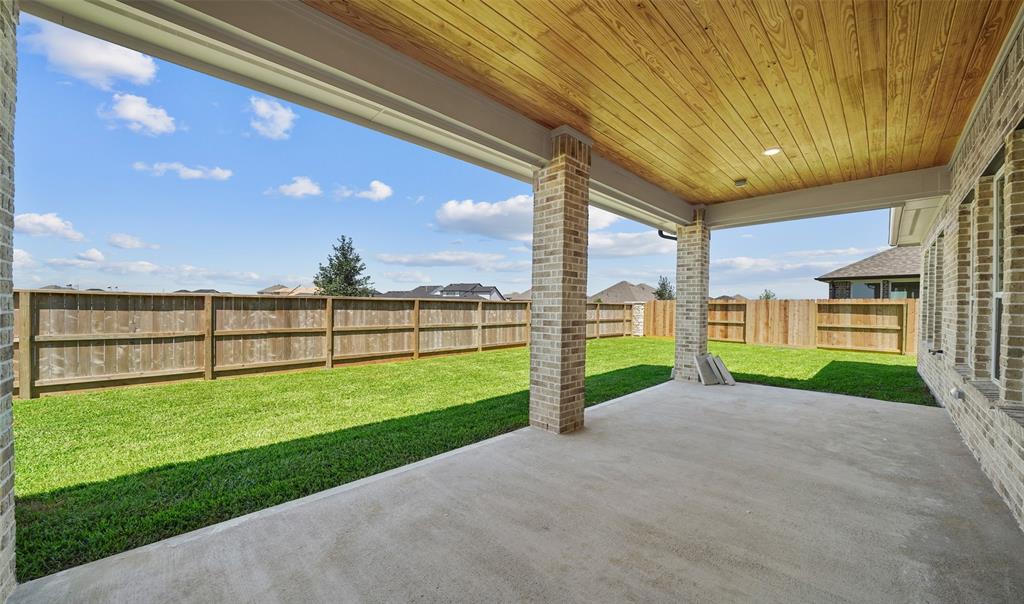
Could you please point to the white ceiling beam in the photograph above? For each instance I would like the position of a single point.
(295, 52)
(880, 192)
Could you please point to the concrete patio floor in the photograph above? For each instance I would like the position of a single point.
(675, 493)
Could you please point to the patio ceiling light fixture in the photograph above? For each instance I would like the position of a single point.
(770, 151)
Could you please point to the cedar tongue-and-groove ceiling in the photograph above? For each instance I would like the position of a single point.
(689, 94)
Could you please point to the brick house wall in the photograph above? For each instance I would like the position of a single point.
(957, 285)
(8, 72)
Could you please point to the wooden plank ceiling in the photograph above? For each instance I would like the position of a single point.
(689, 94)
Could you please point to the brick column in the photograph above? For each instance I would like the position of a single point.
(8, 71)
(1011, 358)
(558, 329)
(982, 217)
(692, 257)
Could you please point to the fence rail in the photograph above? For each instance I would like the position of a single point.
(867, 325)
(79, 340)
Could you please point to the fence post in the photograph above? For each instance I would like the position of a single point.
(597, 321)
(903, 328)
(209, 343)
(529, 321)
(625, 329)
(479, 325)
(416, 329)
(26, 373)
(747, 336)
(329, 332)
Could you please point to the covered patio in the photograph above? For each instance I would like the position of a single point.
(686, 117)
(676, 493)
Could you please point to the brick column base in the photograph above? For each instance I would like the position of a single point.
(692, 257)
(558, 328)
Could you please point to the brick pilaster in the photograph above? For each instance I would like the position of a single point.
(981, 352)
(558, 328)
(1011, 359)
(8, 72)
(961, 269)
(692, 257)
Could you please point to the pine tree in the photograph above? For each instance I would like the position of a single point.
(342, 275)
(664, 290)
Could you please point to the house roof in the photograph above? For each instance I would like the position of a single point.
(524, 295)
(893, 262)
(624, 291)
(273, 289)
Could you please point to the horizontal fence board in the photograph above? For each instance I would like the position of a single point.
(104, 339)
(862, 325)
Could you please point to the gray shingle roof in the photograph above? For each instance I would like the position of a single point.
(624, 291)
(893, 262)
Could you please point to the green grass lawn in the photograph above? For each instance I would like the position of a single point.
(887, 377)
(99, 473)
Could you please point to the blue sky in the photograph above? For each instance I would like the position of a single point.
(142, 175)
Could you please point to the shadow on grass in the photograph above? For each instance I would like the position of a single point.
(897, 383)
(75, 525)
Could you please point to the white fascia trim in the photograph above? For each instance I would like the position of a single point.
(880, 192)
(293, 51)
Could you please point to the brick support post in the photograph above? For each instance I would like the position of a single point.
(8, 71)
(558, 329)
(692, 257)
(1011, 339)
(981, 349)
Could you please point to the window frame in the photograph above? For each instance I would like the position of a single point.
(998, 224)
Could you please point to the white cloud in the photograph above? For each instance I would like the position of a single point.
(377, 191)
(129, 242)
(746, 236)
(23, 259)
(271, 119)
(408, 276)
(481, 260)
(300, 186)
(602, 219)
(92, 255)
(140, 116)
(46, 224)
(184, 172)
(646, 243)
(95, 61)
(746, 264)
(510, 219)
(845, 251)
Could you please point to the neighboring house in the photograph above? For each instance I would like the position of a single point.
(892, 274)
(285, 290)
(623, 292)
(524, 296)
(196, 291)
(732, 297)
(473, 291)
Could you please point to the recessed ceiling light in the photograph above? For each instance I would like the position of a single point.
(740, 182)
(771, 151)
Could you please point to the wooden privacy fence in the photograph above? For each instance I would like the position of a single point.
(867, 325)
(66, 340)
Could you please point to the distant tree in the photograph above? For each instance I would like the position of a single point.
(343, 273)
(665, 291)
(767, 295)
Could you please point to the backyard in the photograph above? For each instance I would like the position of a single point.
(102, 472)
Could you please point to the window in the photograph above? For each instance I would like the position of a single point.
(867, 290)
(997, 272)
(901, 290)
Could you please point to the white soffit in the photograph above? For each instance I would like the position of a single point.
(910, 223)
(292, 51)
